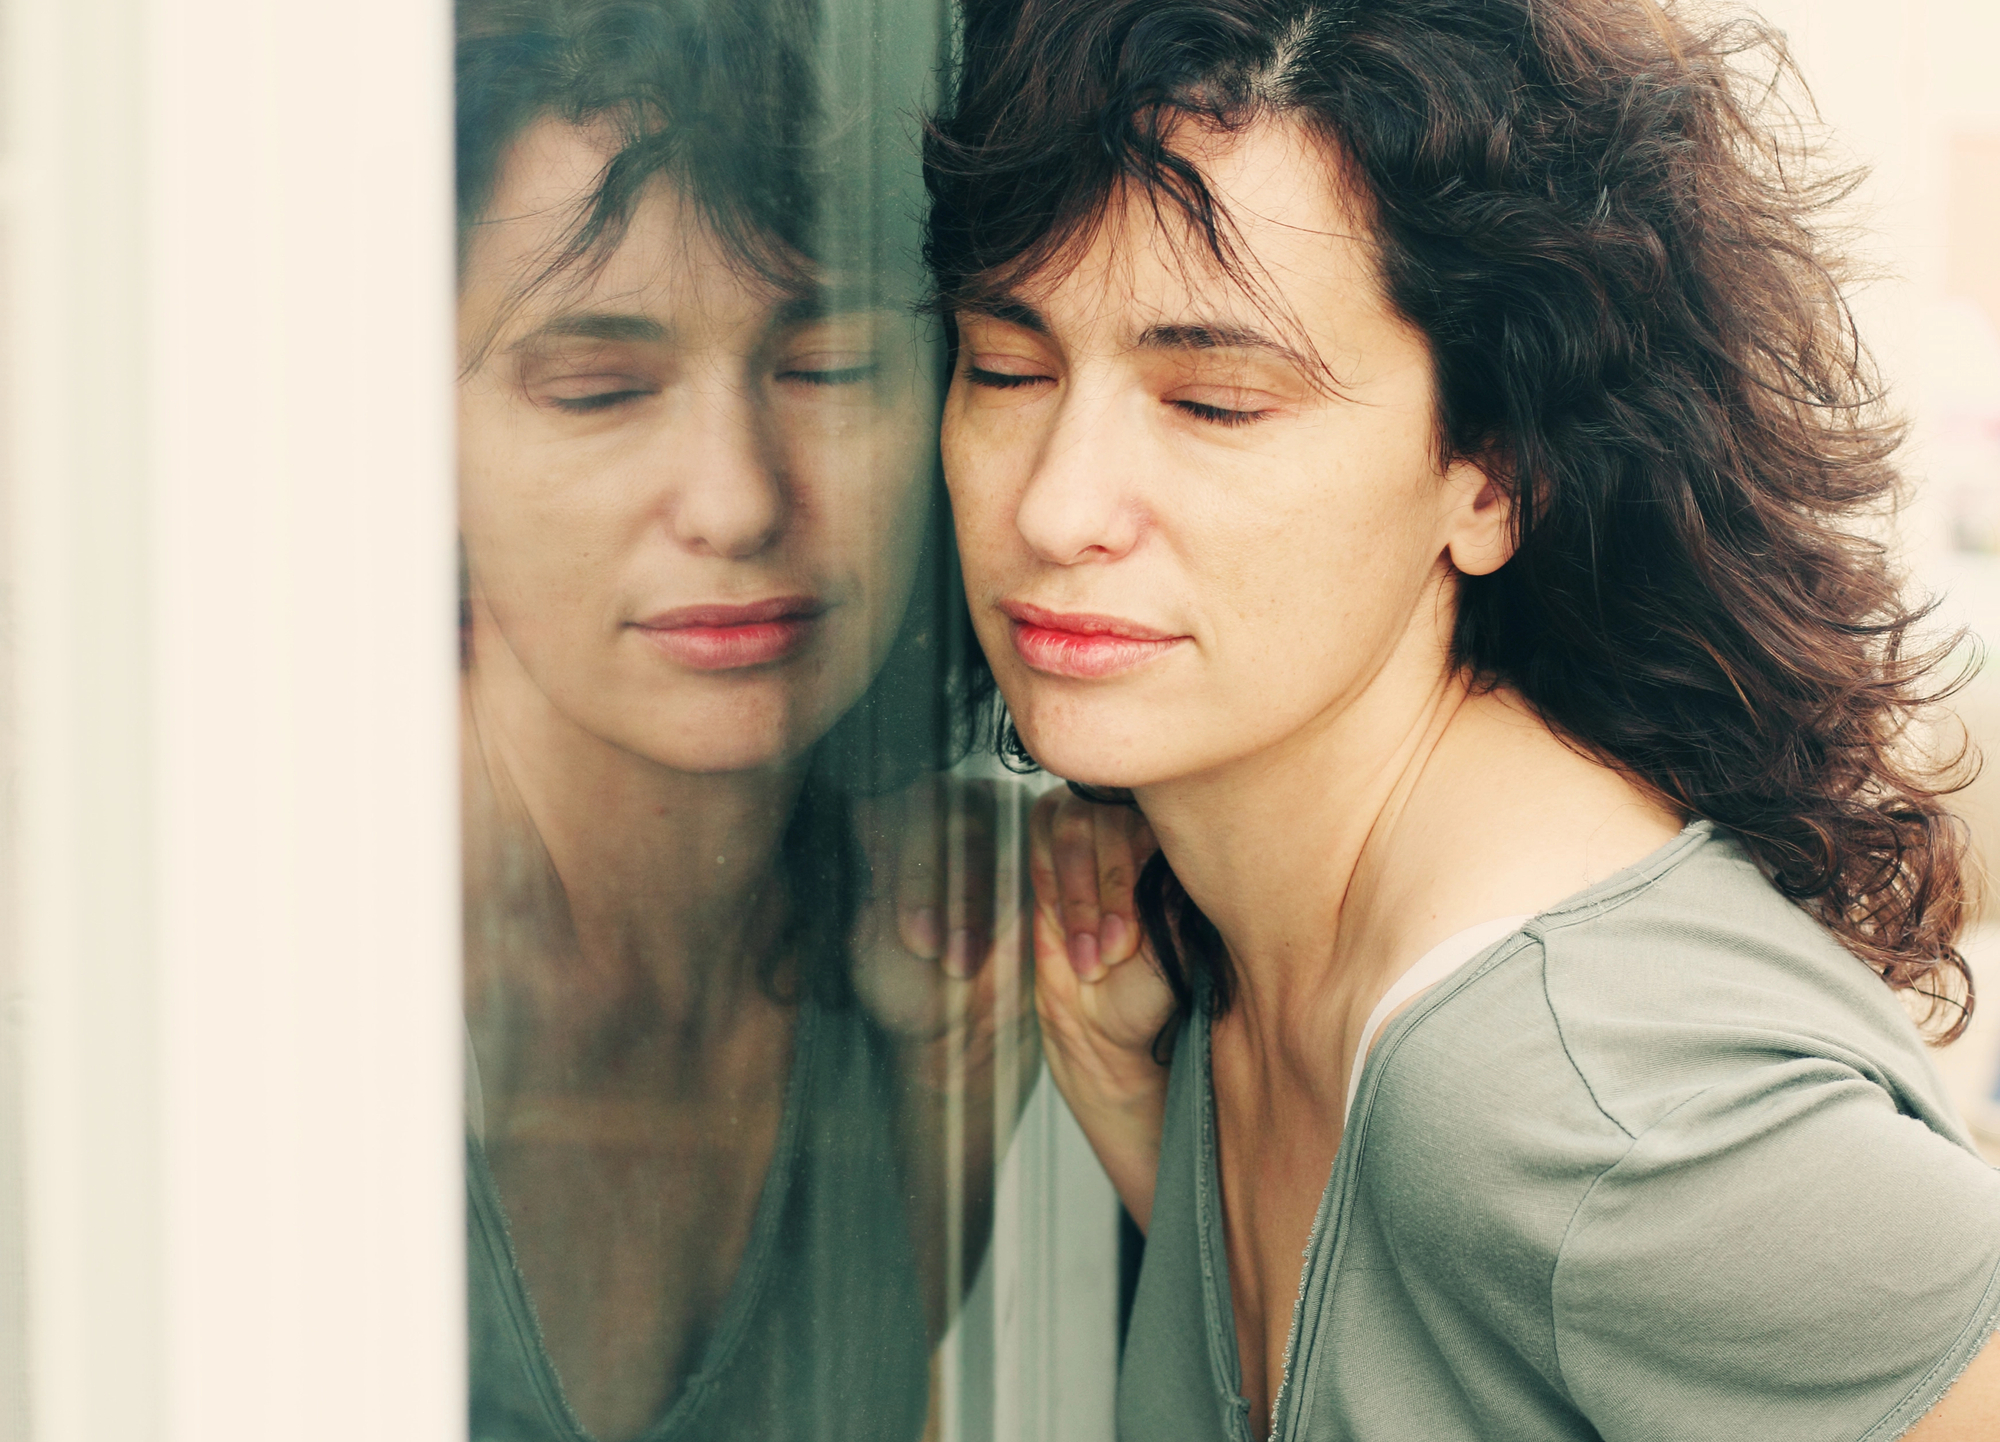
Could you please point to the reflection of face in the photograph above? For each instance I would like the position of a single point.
(690, 502)
(1179, 549)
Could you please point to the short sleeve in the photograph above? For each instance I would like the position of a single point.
(1783, 1256)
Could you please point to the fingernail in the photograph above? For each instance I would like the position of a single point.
(1111, 935)
(960, 956)
(923, 931)
(1083, 955)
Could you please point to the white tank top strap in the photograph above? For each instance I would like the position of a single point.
(1427, 971)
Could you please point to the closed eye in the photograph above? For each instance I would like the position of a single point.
(1000, 380)
(833, 376)
(1218, 415)
(600, 401)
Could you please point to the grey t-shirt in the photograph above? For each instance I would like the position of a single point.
(822, 1335)
(1667, 1163)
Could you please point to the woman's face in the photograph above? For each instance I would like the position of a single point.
(690, 501)
(1183, 543)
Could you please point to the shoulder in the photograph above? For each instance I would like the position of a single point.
(1687, 976)
(1696, 972)
(1683, 1148)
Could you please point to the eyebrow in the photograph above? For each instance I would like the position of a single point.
(592, 325)
(1007, 310)
(1220, 335)
(603, 325)
(823, 303)
(1190, 336)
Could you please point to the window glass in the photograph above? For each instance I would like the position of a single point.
(748, 1024)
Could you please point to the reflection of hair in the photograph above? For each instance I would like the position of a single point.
(1608, 252)
(787, 124)
(788, 132)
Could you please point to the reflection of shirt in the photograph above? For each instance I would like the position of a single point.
(1665, 1163)
(822, 1333)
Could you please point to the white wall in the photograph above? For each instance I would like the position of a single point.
(228, 289)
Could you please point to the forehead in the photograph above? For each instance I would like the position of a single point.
(668, 256)
(1298, 249)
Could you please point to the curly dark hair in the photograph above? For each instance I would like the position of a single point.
(788, 124)
(1609, 232)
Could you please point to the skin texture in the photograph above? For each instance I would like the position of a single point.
(728, 456)
(659, 432)
(1133, 436)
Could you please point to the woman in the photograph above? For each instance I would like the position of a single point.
(709, 1087)
(1414, 450)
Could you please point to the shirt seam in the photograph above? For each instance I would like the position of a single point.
(1389, 1039)
(1569, 1230)
(1980, 1327)
(1586, 911)
(1588, 906)
(1555, 1265)
(1576, 1067)
(1986, 1314)
(523, 1321)
(1218, 1303)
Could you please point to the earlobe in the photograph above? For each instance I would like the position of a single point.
(1482, 532)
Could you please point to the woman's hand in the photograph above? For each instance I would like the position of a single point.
(939, 957)
(1098, 988)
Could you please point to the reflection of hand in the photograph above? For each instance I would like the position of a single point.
(1100, 1008)
(940, 962)
(933, 963)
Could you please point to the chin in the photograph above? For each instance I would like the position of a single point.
(708, 741)
(1079, 744)
(722, 760)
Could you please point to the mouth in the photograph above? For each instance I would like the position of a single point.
(732, 637)
(1083, 647)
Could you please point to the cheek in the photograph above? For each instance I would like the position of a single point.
(980, 509)
(1324, 580)
(865, 535)
(542, 550)
(886, 552)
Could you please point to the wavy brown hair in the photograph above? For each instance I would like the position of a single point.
(1613, 239)
(796, 157)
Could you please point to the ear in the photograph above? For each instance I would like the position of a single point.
(1479, 535)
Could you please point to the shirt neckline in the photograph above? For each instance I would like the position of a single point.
(1209, 1221)
(1422, 974)
(746, 1288)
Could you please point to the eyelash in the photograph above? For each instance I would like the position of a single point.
(1000, 380)
(845, 376)
(1217, 415)
(585, 405)
(1211, 415)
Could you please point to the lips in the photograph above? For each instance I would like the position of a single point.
(1082, 646)
(725, 637)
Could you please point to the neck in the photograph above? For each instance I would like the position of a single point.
(632, 884)
(1283, 849)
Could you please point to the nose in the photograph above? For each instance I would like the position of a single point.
(1079, 506)
(731, 496)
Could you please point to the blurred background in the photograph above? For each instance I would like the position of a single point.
(1910, 90)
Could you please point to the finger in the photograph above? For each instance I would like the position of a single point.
(1125, 846)
(1117, 872)
(1073, 832)
(1052, 966)
(1042, 848)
